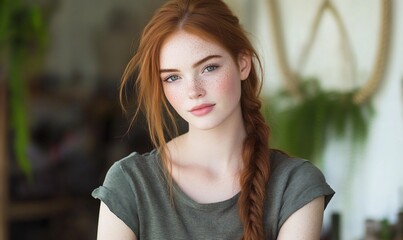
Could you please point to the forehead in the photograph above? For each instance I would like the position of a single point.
(183, 47)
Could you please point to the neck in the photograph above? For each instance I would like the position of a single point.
(218, 149)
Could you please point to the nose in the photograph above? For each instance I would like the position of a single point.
(196, 89)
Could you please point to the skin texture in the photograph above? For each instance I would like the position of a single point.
(212, 78)
(111, 227)
(304, 224)
(206, 161)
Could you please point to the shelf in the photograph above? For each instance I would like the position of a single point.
(29, 210)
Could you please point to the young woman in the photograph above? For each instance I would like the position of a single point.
(219, 180)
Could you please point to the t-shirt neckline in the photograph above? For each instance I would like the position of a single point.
(181, 196)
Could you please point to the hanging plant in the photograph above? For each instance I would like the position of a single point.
(21, 31)
(308, 115)
(302, 128)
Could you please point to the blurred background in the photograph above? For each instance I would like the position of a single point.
(333, 74)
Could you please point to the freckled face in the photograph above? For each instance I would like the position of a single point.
(201, 80)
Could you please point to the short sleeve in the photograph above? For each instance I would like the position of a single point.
(118, 195)
(306, 182)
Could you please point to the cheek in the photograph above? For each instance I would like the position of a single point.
(172, 95)
(228, 84)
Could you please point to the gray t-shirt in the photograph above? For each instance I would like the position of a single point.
(137, 192)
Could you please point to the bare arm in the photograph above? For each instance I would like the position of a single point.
(111, 227)
(304, 224)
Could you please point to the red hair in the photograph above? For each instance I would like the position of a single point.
(210, 19)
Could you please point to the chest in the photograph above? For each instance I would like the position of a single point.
(204, 187)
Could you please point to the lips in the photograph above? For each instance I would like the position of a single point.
(202, 109)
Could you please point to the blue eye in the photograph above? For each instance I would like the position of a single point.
(171, 78)
(210, 68)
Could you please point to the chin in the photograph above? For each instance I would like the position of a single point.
(204, 124)
(201, 124)
(203, 127)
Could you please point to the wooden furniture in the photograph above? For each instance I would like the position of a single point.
(39, 209)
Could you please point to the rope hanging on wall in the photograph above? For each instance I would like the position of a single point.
(292, 78)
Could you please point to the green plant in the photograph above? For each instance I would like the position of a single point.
(21, 31)
(303, 128)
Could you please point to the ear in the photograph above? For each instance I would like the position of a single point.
(244, 63)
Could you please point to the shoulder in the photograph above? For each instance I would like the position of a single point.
(133, 170)
(282, 162)
(136, 161)
(286, 169)
(137, 158)
(124, 186)
(295, 175)
(294, 182)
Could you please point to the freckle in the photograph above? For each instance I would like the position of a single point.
(224, 83)
(198, 84)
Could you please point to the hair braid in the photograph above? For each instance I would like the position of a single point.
(255, 174)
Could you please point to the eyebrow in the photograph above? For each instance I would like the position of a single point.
(194, 65)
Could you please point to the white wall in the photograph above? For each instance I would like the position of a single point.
(367, 183)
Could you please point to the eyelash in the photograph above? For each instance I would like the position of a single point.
(169, 80)
(209, 66)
